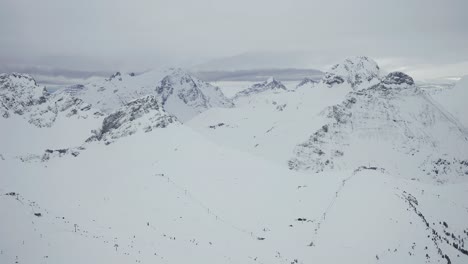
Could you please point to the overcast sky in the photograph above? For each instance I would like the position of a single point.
(106, 35)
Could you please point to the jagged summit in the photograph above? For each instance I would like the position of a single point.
(180, 93)
(271, 84)
(186, 96)
(397, 79)
(359, 72)
(142, 114)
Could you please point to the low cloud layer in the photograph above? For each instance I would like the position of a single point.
(113, 35)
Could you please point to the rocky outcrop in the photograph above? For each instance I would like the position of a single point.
(397, 79)
(140, 115)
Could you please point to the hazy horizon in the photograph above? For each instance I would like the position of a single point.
(424, 38)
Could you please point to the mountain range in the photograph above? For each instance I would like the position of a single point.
(161, 167)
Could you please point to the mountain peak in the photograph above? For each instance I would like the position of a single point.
(186, 96)
(397, 79)
(358, 71)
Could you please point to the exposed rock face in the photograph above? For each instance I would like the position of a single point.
(358, 72)
(20, 95)
(395, 79)
(270, 85)
(143, 114)
(389, 128)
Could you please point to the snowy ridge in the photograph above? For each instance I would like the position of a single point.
(359, 72)
(270, 85)
(180, 93)
(111, 93)
(306, 82)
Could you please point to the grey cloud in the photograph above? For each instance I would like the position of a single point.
(108, 35)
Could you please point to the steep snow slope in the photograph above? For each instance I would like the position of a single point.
(455, 100)
(393, 125)
(158, 194)
(181, 94)
(36, 119)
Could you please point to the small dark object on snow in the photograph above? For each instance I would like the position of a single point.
(38, 214)
(260, 238)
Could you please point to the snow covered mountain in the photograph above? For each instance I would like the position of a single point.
(180, 93)
(359, 72)
(20, 95)
(368, 170)
(393, 125)
(142, 114)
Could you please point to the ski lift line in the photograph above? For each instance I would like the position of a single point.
(333, 201)
(189, 195)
